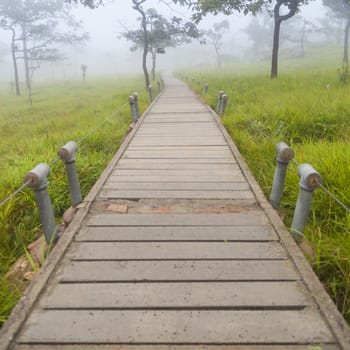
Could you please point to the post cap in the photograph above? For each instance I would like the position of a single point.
(310, 179)
(135, 95)
(67, 152)
(224, 98)
(131, 99)
(284, 153)
(38, 176)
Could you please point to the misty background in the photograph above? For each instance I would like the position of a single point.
(106, 53)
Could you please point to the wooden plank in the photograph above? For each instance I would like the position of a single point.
(178, 108)
(209, 125)
(144, 133)
(158, 172)
(229, 295)
(167, 271)
(184, 327)
(177, 178)
(175, 194)
(180, 186)
(135, 154)
(176, 251)
(178, 233)
(182, 149)
(317, 346)
(205, 161)
(240, 219)
(147, 165)
(188, 142)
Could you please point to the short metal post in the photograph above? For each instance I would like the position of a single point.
(221, 93)
(137, 108)
(310, 179)
(39, 183)
(133, 109)
(159, 87)
(205, 89)
(284, 155)
(151, 93)
(163, 84)
(223, 104)
(68, 154)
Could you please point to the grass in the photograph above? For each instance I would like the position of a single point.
(29, 135)
(308, 108)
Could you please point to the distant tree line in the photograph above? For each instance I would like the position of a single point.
(36, 30)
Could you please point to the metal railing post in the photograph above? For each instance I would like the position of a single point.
(205, 89)
(68, 154)
(284, 155)
(151, 93)
(218, 106)
(310, 179)
(39, 183)
(137, 108)
(133, 108)
(223, 104)
(159, 87)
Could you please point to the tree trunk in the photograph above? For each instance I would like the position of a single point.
(275, 48)
(154, 62)
(346, 44)
(14, 61)
(218, 57)
(138, 8)
(26, 57)
(276, 34)
(144, 67)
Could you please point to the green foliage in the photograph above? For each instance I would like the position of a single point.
(30, 135)
(309, 109)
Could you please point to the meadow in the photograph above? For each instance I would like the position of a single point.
(308, 107)
(61, 112)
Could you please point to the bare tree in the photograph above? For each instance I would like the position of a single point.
(215, 37)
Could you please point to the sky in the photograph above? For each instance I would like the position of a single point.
(108, 54)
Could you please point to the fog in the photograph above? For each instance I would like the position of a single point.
(107, 54)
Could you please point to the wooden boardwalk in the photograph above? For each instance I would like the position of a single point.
(176, 248)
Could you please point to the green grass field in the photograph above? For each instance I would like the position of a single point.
(307, 107)
(61, 112)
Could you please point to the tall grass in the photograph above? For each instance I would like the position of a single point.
(310, 110)
(30, 135)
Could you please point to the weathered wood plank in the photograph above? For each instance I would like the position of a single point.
(136, 154)
(234, 177)
(180, 186)
(165, 271)
(209, 126)
(184, 142)
(231, 295)
(213, 149)
(216, 172)
(248, 218)
(164, 133)
(208, 162)
(178, 233)
(175, 194)
(176, 251)
(132, 164)
(176, 347)
(178, 108)
(196, 327)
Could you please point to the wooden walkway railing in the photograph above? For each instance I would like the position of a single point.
(176, 248)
